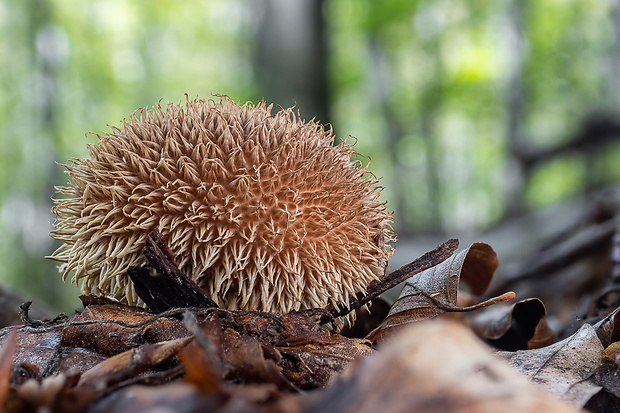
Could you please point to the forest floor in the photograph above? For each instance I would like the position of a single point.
(454, 339)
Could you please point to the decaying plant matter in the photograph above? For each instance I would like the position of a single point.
(101, 357)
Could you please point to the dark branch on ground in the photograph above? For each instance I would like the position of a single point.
(428, 260)
(160, 284)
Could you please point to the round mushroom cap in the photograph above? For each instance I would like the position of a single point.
(262, 210)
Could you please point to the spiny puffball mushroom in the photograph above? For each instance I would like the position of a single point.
(261, 210)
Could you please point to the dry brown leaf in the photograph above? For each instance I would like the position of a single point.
(514, 326)
(203, 358)
(434, 366)
(289, 350)
(132, 362)
(76, 360)
(608, 329)
(252, 360)
(434, 291)
(316, 363)
(112, 338)
(607, 375)
(38, 348)
(564, 368)
(43, 352)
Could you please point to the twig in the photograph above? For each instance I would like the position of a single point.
(451, 308)
(25, 317)
(42, 327)
(168, 288)
(428, 260)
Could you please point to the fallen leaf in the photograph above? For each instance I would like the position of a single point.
(253, 361)
(131, 363)
(315, 363)
(515, 326)
(202, 359)
(291, 351)
(434, 291)
(608, 329)
(433, 366)
(607, 375)
(111, 338)
(38, 348)
(377, 287)
(564, 368)
(77, 360)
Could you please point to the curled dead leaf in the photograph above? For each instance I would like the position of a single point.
(514, 326)
(608, 329)
(434, 291)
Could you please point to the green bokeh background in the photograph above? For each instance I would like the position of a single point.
(440, 95)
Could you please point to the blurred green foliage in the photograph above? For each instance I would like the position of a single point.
(427, 88)
(433, 79)
(73, 67)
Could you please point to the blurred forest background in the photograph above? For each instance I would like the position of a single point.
(474, 113)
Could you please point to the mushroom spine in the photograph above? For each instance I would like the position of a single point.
(262, 210)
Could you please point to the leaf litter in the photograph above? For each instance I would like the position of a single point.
(428, 353)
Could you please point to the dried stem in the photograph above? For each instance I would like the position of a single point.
(448, 307)
(428, 260)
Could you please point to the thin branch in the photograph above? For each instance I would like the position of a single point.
(428, 260)
(451, 308)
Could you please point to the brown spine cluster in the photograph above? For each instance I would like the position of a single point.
(263, 211)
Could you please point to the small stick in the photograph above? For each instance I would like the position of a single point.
(24, 316)
(426, 261)
(168, 288)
